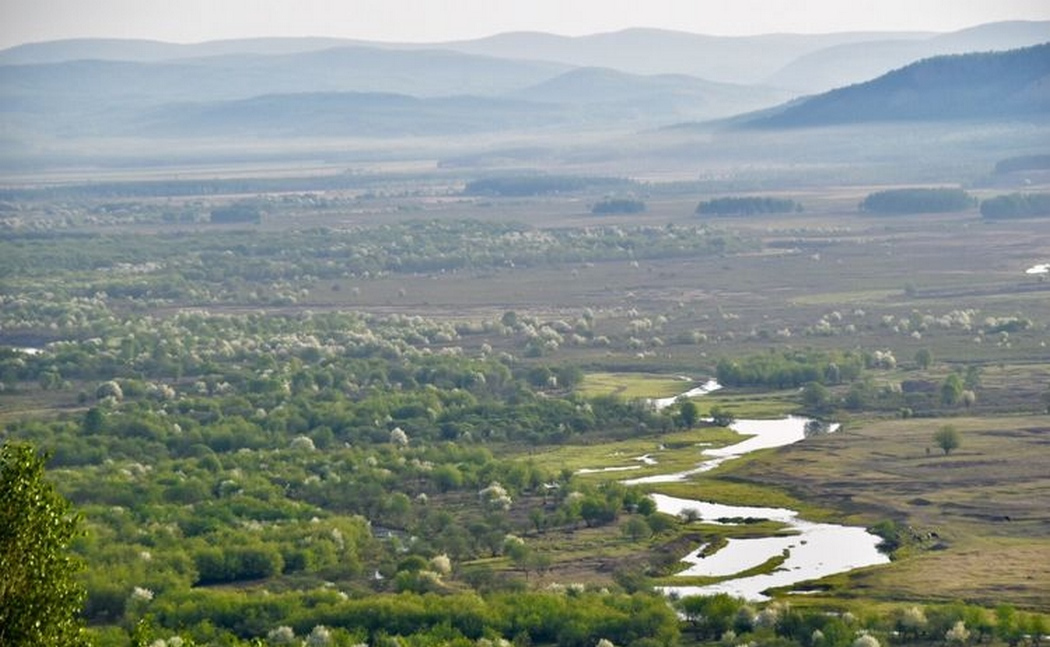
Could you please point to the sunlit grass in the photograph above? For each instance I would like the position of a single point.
(632, 386)
(733, 493)
(768, 566)
(763, 406)
(672, 452)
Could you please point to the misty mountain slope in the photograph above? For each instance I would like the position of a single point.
(360, 69)
(849, 63)
(343, 114)
(94, 97)
(993, 85)
(99, 98)
(152, 51)
(729, 59)
(651, 98)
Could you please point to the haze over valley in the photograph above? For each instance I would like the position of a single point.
(624, 337)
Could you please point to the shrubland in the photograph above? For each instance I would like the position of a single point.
(368, 430)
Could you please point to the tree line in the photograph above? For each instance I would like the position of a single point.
(747, 206)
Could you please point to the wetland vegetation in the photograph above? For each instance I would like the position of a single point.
(421, 401)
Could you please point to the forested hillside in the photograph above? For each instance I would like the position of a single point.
(969, 86)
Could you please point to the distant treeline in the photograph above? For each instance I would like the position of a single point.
(746, 206)
(195, 187)
(618, 205)
(900, 201)
(240, 212)
(533, 185)
(1023, 163)
(1017, 205)
(790, 369)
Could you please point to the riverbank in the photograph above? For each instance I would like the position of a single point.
(809, 550)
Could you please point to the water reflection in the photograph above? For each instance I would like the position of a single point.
(810, 550)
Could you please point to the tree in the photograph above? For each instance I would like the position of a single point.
(746, 206)
(815, 396)
(902, 201)
(911, 623)
(689, 413)
(816, 428)
(952, 390)
(947, 438)
(636, 529)
(866, 640)
(40, 599)
(94, 421)
(958, 633)
(109, 389)
(618, 205)
(721, 418)
(923, 358)
(972, 381)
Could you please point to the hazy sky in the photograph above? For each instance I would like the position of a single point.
(436, 20)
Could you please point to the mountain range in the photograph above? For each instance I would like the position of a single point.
(986, 85)
(633, 79)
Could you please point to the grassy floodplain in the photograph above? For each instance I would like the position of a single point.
(208, 390)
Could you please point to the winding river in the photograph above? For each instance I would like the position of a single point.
(813, 551)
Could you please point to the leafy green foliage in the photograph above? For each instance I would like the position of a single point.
(1016, 205)
(240, 212)
(952, 390)
(533, 185)
(207, 268)
(1023, 163)
(790, 369)
(747, 206)
(947, 438)
(985, 85)
(904, 201)
(618, 205)
(40, 599)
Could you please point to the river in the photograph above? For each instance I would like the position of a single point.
(813, 551)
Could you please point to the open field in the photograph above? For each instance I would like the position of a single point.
(980, 529)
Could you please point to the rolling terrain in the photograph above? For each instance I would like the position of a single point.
(64, 94)
(339, 343)
(992, 86)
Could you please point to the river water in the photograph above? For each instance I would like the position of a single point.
(814, 550)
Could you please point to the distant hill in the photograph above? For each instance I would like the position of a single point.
(227, 76)
(151, 51)
(965, 86)
(849, 63)
(633, 79)
(803, 63)
(729, 59)
(100, 97)
(341, 114)
(666, 97)
(157, 95)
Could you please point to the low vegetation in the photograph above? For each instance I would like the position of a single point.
(902, 201)
(382, 417)
(535, 185)
(618, 205)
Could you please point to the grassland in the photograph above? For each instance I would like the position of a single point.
(631, 386)
(978, 526)
(976, 519)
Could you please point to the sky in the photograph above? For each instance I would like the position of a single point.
(187, 21)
